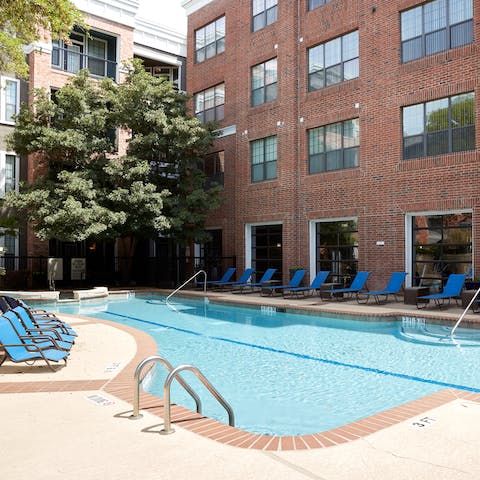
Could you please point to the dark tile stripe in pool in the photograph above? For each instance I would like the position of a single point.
(305, 357)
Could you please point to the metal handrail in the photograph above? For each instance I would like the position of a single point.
(136, 394)
(167, 428)
(188, 281)
(464, 312)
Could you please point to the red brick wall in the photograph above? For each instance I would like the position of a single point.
(384, 188)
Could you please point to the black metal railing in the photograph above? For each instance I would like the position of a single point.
(32, 272)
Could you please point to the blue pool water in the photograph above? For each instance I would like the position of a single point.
(291, 374)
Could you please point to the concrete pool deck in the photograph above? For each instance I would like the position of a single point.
(73, 423)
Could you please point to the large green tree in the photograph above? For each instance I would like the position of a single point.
(22, 22)
(175, 144)
(86, 190)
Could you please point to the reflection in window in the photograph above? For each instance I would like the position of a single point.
(336, 245)
(442, 244)
(436, 26)
(333, 62)
(210, 40)
(440, 126)
(209, 104)
(312, 4)
(264, 82)
(333, 147)
(263, 154)
(266, 249)
(214, 168)
(264, 13)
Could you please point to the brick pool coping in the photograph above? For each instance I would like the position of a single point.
(121, 386)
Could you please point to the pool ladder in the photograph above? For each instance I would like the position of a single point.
(188, 281)
(174, 373)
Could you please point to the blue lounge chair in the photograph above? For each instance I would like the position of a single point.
(36, 336)
(294, 282)
(452, 289)
(251, 286)
(17, 351)
(225, 278)
(243, 279)
(393, 288)
(315, 285)
(357, 284)
(51, 329)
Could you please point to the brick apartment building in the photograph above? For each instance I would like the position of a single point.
(347, 133)
(117, 34)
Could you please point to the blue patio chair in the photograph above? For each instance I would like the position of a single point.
(357, 284)
(452, 290)
(38, 317)
(225, 278)
(243, 279)
(16, 351)
(251, 286)
(51, 329)
(315, 285)
(393, 288)
(36, 336)
(294, 282)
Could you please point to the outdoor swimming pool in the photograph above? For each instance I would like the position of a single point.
(291, 374)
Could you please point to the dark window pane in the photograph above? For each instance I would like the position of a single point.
(333, 75)
(210, 115)
(463, 138)
(350, 158)
(461, 34)
(316, 80)
(436, 42)
(412, 49)
(271, 170)
(271, 92)
(413, 147)
(437, 143)
(316, 163)
(334, 159)
(257, 172)
(219, 112)
(257, 97)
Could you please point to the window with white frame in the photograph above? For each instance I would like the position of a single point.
(312, 4)
(210, 40)
(9, 173)
(9, 99)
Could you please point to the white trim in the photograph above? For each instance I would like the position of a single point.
(3, 81)
(119, 11)
(152, 54)
(409, 236)
(43, 47)
(192, 6)
(3, 156)
(150, 36)
(226, 131)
